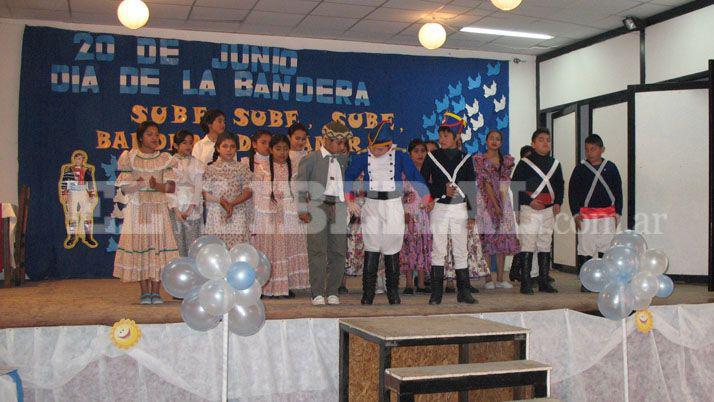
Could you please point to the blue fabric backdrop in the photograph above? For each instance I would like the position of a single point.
(88, 91)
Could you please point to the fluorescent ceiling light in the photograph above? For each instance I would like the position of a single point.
(501, 32)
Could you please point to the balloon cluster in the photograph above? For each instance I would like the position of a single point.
(627, 277)
(213, 281)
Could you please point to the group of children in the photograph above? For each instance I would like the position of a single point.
(434, 209)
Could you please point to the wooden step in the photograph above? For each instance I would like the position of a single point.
(537, 400)
(409, 381)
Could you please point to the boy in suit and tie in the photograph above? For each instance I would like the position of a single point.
(322, 206)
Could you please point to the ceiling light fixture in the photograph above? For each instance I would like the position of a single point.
(501, 32)
(133, 14)
(506, 5)
(632, 23)
(432, 35)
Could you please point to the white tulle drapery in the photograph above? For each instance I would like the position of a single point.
(297, 360)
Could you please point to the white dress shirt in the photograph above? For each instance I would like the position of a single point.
(334, 185)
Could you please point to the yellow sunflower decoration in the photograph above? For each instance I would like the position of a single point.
(644, 321)
(125, 333)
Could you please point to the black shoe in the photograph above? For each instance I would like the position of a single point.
(515, 273)
(369, 276)
(544, 285)
(391, 273)
(291, 294)
(423, 290)
(408, 291)
(526, 285)
(462, 284)
(472, 289)
(437, 284)
(450, 289)
(342, 290)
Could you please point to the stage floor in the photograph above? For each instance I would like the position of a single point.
(105, 301)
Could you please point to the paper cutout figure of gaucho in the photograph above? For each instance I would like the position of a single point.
(78, 196)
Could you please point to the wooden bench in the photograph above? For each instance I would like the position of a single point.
(409, 381)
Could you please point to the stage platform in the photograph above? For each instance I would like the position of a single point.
(105, 301)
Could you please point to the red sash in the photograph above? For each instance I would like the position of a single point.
(597, 213)
(545, 198)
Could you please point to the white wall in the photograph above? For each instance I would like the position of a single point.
(680, 46)
(522, 106)
(672, 193)
(606, 67)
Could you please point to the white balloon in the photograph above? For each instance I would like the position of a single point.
(246, 320)
(213, 261)
(593, 274)
(644, 285)
(249, 296)
(632, 239)
(654, 261)
(216, 297)
(203, 241)
(263, 269)
(180, 277)
(195, 316)
(616, 301)
(244, 252)
(622, 263)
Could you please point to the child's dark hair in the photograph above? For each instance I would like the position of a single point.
(526, 150)
(275, 140)
(595, 140)
(253, 139)
(539, 131)
(500, 155)
(179, 138)
(296, 127)
(223, 137)
(447, 129)
(432, 142)
(415, 143)
(209, 117)
(143, 126)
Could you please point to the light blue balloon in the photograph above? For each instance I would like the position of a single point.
(666, 286)
(593, 275)
(616, 301)
(623, 263)
(241, 275)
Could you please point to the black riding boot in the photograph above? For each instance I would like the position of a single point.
(463, 287)
(515, 273)
(526, 266)
(369, 276)
(544, 285)
(391, 272)
(437, 284)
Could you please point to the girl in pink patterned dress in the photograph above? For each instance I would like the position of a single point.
(147, 241)
(416, 251)
(226, 189)
(277, 231)
(495, 218)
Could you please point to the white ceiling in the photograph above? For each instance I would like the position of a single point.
(378, 21)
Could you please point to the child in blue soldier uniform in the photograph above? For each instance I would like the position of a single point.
(382, 214)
